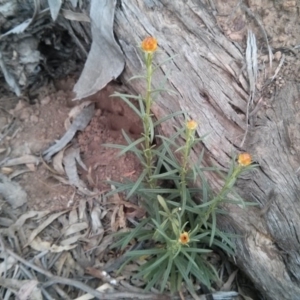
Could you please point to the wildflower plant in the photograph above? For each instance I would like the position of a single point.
(180, 228)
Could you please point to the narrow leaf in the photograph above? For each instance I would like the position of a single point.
(137, 184)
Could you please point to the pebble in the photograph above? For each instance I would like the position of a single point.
(3, 121)
(46, 100)
(277, 55)
(34, 119)
(24, 115)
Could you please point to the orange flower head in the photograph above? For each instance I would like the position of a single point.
(244, 159)
(149, 44)
(191, 125)
(184, 238)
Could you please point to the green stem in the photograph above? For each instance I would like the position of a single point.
(184, 167)
(147, 124)
(225, 189)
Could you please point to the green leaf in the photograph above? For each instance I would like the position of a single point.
(145, 237)
(168, 140)
(138, 153)
(137, 184)
(132, 145)
(225, 247)
(163, 204)
(126, 98)
(156, 277)
(156, 264)
(166, 118)
(184, 192)
(145, 252)
(159, 229)
(173, 279)
(188, 208)
(213, 227)
(203, 273)
(137, 77)
(164, 90)
(166, 274)
(120, 188)
(165, 175)
(133, 233)
(199, 237)
(190, 259)
(163, 62)
(180, 264)
(158, 191)
(195, 250)
(151, 130)
(116, 146)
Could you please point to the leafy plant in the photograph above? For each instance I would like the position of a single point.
(181, 223)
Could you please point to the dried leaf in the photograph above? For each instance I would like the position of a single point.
(54, 6)
(25, 159)
(31, 167)
(9, 78)
(40, 245)
(75, 228)
(59, 264)
(29, 290)
(97, 226)
(72, 240)
(227, 285)
(104, 287)
(105, 243)
(58, 162)
(6, 170)
(105, 60)
(79, 123)
(12, 192)
(18, 29)
(72, 156)
(113, 222)
(73, 16)
(17, 173)
(76, 110)
(89, 177)
(42, 226)
(122, 218)
(6, 265)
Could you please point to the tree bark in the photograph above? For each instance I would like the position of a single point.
(206, 74)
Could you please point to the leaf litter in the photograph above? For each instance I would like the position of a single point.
(63, 253)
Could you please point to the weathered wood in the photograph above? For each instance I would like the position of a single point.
(205, 74)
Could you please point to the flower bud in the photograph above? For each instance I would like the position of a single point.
(244, 159)
(149, 44)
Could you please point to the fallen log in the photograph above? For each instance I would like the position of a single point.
(206, 75)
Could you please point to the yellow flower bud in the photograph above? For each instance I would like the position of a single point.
(184, 238)
(191, 125)
(244, 159)
(149, 44)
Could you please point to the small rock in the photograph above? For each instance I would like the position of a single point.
(265, 58)
(34, 119)
(277, 55)
(46, 100)
(98, 112)
(24, 115)
(3, 121)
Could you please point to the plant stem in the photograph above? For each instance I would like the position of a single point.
(189, 137)
(147, 122)
(230, 181)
